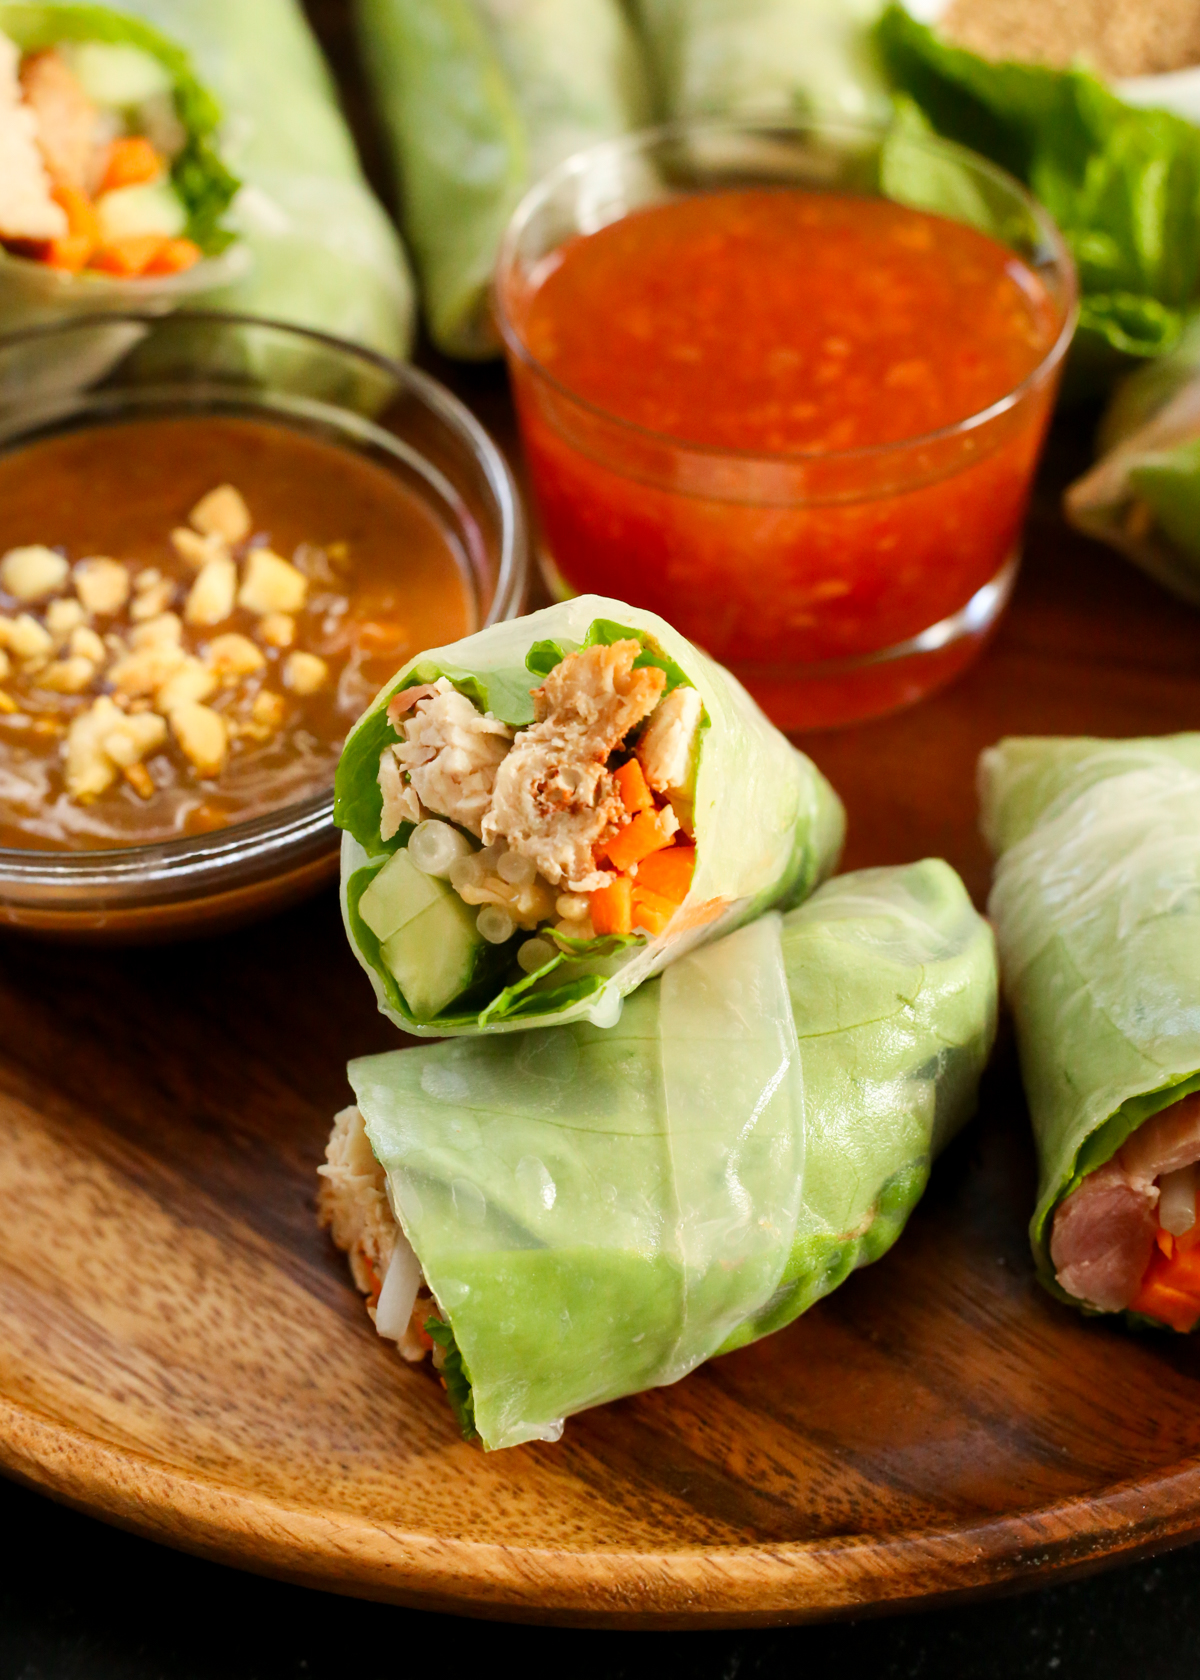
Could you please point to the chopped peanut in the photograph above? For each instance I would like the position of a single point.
(102, 740)
(5, 666)
(67, 676)
(202, 734)
(164, 630)
(278, 630)
(190, 681)
(34, 571)
(151, 597)
(7, 704)
(268, 709)
(65, 616)
(146, 669)
(102, 585)
(222, 513)
(140, 780)
(210, 599)
(85, 644)
(304, 673)
(233, 655)
(130, 740)
(196, 550)
(25, 637)
(271, 584)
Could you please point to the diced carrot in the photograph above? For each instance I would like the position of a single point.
(1165, 1241)
(71, 252)
(81, 212)
(1183, 1269)
(669, 872)
(650, 910)
(128, 257)
(633, 787)
(612, 906)
(131, 160)
(173, 257)
(646, 833)
(1162, 1298)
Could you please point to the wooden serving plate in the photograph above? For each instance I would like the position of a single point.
(181, 1350)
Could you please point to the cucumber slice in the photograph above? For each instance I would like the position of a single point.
(428, 938)
(118, 76)
(1170, 483)
(398, 893)
(151, 208)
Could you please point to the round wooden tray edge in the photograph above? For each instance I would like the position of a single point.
(712, 1587)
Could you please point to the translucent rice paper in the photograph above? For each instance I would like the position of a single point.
(892, 977)
(765, 58)
(598, 1212)
(1096, 905)
(768, 825)
(481, 98)
(314, 246)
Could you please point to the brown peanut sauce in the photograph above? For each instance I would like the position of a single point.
(383, 581)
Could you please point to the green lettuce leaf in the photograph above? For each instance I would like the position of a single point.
(1123, 183)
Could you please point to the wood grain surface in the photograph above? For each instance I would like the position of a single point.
(182, 1351)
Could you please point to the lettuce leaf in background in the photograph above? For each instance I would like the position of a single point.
(480, 98)
(763, 57)
(599, 1211)
(1123, 183)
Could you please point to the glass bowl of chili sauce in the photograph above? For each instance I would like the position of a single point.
(786, 384)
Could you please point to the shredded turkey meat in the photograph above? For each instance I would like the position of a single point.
(447, 761)
(1104, 1232)
(27, 207)
(554, 796)
(353, 1204)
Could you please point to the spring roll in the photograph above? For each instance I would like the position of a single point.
(241, 169)
(543, 815)
(574, 1215)
(481, 98)
(1096, 905)
(758, 58)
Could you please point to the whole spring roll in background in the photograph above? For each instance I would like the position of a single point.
(229, 94)
(1142, 496)
(583, 1214)
(539, 817)
(1096, 906)
(481, 98)
(764, 57)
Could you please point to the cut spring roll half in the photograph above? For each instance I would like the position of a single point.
(575, 1215)
(1096, 906)
(541, 816)
(109, 167)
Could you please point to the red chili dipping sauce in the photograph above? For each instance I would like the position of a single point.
(726, 373)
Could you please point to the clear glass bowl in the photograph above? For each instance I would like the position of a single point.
(121, 366)
(837, 584)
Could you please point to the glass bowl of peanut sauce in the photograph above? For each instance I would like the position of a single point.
(218, 537)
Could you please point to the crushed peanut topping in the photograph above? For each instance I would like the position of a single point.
(144, 675)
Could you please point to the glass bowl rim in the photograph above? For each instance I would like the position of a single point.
(579, 163)
(300, 819)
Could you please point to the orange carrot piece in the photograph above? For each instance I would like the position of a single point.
(173, 257)
(650, 911)
(612, 906)
(1160, 1297)
(69, 253)
(128, 258)
(669, 872)
(646, 833)
(1165, 1241)
(81, 212)
(633, 787)
(131, 160)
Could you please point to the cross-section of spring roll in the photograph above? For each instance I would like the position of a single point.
(1096, 905)
(543, 815)
(574, 1215)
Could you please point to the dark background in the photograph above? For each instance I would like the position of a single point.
(81, 1601)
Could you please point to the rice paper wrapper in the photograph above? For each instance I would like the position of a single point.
(1096, 906)
(1142, 497)
(598, 1212)
(768, 826)
(313, 246)
(480, 99)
